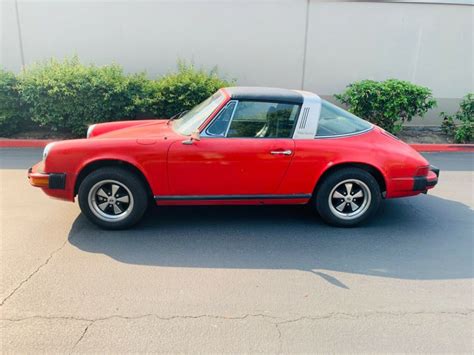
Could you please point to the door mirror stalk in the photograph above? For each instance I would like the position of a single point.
(195, 136)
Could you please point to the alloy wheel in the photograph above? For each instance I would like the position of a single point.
(349, 199)
(110, 200)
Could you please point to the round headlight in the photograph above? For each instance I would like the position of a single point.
(89, 130)
(47, 149)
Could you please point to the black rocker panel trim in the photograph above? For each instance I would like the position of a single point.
(230, 197)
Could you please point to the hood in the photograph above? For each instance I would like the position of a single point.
(148, 129)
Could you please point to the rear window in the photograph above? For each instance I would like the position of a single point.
(334, 121)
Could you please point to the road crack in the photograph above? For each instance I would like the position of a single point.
(118, 316)
(280, 344)
(375, 313)
(82, 335)
(275, 319)
(33, 273)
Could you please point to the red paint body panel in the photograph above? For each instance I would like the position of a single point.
(392, 158)
(231, 166)
(228, 166)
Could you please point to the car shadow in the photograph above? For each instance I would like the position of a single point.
(421, 238)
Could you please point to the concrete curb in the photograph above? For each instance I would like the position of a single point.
(40, 143)
(24, 143)
(443, 147)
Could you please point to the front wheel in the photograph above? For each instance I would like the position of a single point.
(347, 197)
(113, 198)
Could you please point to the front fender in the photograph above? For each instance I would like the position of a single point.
(111, 158)
(102, 128)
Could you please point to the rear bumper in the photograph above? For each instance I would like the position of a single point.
(411, 186)
(424, 183)
(53, 181)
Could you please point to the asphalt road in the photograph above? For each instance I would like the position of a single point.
(238, 279)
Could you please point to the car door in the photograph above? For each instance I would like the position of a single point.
(245, 150)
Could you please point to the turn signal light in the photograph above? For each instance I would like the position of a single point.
(39, 180)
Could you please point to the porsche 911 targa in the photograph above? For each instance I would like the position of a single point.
(241, 146)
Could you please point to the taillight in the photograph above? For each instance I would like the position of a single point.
(422, 171)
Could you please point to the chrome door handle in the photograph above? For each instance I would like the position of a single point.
(281, 152)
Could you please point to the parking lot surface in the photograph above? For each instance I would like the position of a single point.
(238, 279)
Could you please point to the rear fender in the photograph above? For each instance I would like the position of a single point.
(378, 174)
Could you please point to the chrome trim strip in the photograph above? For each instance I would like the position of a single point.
(346, 134)
(231, 118)
(230, 197)
(205, 133)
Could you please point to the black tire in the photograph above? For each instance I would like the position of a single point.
(355, 210)
(122, 210)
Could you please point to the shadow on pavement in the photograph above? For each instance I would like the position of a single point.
(422, 238)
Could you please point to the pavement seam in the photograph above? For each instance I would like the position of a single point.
(33, 273)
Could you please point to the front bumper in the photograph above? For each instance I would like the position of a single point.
(424, 183)
(38, 178)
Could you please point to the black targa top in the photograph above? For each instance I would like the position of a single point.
(264, 94)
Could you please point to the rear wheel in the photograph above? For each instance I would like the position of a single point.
(347, 197)
(113, 198)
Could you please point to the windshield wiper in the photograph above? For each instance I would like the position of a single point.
(177, 116)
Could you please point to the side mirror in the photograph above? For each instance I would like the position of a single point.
(195, 136)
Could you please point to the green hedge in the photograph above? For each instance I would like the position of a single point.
(181, 91)
(67, 96)
(387, 103)
(14, 114)
(460, 125)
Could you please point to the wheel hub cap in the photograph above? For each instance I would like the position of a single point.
(349, 199)
(110, 200)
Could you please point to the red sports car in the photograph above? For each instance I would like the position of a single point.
(241, 146)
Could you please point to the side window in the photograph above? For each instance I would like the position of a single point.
(334, 121)
(218, 127)
(255, 119)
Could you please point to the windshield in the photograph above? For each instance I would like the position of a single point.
(191, 121)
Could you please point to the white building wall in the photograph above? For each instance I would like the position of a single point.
(428, 44)
(316, 45)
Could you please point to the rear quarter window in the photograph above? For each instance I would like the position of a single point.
(334, 121)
